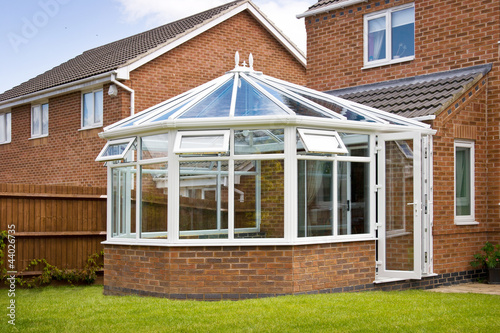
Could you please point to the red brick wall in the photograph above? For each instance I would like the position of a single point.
(67, 155)
(449, 34)
(240, 270)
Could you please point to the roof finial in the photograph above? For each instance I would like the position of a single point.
(250, 61)
(237, 59)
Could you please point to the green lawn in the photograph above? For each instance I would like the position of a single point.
(85, 309)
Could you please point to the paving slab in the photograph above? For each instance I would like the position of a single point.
(476, 288)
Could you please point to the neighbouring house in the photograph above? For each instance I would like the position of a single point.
(51, 187)
(438, 62)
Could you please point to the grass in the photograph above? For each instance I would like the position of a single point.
(85, 309)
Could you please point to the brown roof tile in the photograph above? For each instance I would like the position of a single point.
(111, 56)
(416, 96)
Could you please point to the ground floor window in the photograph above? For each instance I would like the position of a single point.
(464, 181)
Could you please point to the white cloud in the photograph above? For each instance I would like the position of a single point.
(156, 13)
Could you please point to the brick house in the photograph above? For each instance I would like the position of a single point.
(437, 61)
(49, 125)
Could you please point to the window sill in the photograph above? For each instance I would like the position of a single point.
(466, 222)
(385, 63)
(5, 143)
(38, 137)
(90, 127)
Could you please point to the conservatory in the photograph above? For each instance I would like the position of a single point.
(249, 161)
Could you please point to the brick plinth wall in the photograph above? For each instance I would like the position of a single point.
(242, 272)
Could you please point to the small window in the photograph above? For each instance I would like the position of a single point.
(464, 182)
(39, 120)
(5, 125)
(389, 36)
(317, 141)
(115, 150)
(92, 109)
(202, 142)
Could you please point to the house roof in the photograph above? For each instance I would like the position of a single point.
(136, 49)
(417, 96)
(327, 5)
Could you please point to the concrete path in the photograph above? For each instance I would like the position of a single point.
(477, 288)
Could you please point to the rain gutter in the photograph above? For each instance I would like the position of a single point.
(342, 4)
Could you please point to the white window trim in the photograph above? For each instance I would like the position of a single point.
(101, 158)
(388, 45)
(223, 148)
(310, 148)
(469, 219)
(41, 135)
(6, 123)
(93, 123)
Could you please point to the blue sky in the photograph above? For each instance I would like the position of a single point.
(36, 35)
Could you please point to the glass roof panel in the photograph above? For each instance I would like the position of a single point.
(251, 102)
(216, 104)
(295, 105)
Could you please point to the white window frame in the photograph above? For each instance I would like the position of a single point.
(102, 158)
(223, 148)
(5, 127)
(39, 108)
(313, 147)
(464, 219)
(388, 44)
(92, 122)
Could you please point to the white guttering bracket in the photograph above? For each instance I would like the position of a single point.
(334, 6)
(130, 90)
(124, 72)
(57, 90)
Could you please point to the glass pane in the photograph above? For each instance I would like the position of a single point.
(165, 115)
(463, 181)
(251, 102)
(3, 128)
(403, 33)
(259, 141)
(376, 39)
(155, 146)
(45, 119)
(203, 199)
(8, 125)
(353, 181)
(35, 122)
(315, 198)
(115, 149)
(123, 202)
(154, 203)
(216, 104)
(357, 144)
(259, 199)
(295, 105)
(399, 208)
(98, 107)
(316, 141)
(88, 105)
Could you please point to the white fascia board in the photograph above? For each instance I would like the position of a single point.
(329, 8)
(58, 90)
(124, 72)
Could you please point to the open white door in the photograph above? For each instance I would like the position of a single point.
(399, 229)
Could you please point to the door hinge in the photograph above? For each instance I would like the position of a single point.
(425, 257)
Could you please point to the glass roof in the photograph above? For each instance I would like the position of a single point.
(244, 92)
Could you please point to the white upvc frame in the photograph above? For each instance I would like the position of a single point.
(39, 108)
(104, 158)
(222, 148)
(312, 146)
(92, 122)
(5, 127)
(388, 37)
(464, 219)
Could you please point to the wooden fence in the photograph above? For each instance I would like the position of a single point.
(62, 224)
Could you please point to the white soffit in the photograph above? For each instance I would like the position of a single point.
(333, 6)
(123, 72)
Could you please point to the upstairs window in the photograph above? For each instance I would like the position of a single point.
(39, 120)
(5, 125)
(92, 109)
(389, 36)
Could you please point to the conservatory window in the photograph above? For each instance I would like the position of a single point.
(92, 109)
(154, 146)
(5, 127)
(317, 141)
(123, 207)
(261, 141)
(154, 201)
(40, 120)
(464, 182)
(390, 36)
(116, 150)
(202, 142)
